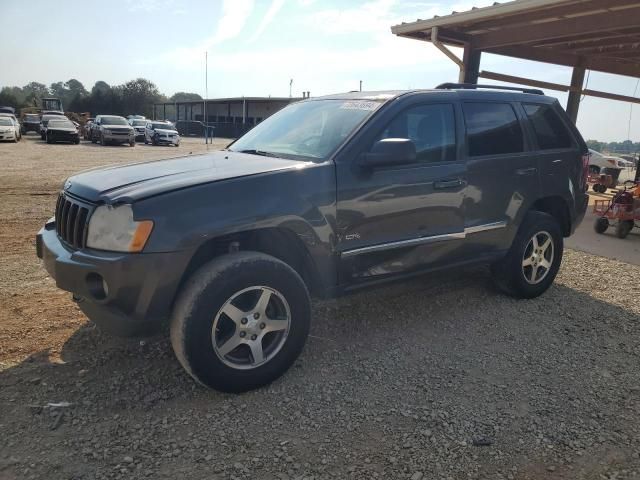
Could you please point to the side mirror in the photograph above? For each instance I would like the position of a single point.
(390, 151)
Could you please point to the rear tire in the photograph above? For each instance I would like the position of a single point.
(512, 276)
(601, 225)
(623, 228)
(203, 302)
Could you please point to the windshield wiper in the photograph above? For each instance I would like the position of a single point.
(258, 152)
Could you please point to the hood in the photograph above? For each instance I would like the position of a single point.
(129, 183)
(166, 130)
(115, 127)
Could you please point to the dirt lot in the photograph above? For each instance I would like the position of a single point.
(439, 378)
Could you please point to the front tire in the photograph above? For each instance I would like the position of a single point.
(103, 142)
(534, 258)
(240, 321)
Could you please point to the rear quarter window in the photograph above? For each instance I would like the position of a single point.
(492, 129)
(548, 127)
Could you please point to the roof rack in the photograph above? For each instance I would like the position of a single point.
(473, 86)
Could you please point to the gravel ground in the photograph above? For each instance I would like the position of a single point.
(393, 384)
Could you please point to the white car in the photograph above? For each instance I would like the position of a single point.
(8, 129)
(16, 125)
(161, 133)
(598, 161)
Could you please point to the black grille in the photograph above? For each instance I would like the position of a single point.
(71, 221)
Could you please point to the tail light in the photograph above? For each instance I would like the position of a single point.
(585, 170)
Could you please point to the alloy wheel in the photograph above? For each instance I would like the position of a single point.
(538, 258)
(251, 327)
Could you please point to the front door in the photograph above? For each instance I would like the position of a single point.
(402, 218)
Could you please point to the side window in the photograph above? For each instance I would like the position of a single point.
(548, 127)
(492, 129)
(430, 127)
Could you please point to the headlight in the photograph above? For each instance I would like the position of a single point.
(114, 229)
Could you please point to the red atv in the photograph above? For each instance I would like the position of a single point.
(624, 207)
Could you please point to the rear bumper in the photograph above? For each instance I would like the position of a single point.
(140, 287)
(582, 203)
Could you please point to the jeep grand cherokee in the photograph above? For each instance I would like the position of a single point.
(326, 196)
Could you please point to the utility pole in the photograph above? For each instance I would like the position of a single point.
(290, 87)
(360, 85)
(206, 96)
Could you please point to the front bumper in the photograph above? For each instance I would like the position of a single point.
(119, 138)
(141, 287)
(167, 140)
(7, 135)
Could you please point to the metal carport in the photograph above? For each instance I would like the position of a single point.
(598, 35)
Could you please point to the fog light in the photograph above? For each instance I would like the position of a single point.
(97, 286)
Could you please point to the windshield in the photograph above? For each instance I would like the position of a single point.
(32, 118)
(6, 122)
(113, 121)
(138, 123)
(306, 130)
(162, 126)
(60, 123)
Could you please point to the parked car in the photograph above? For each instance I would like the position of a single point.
(138, 125)
(4, 109)
(16, 124)
(44, 120)
(599, 161)
(62, 130)
(136, 117)
(112, 129)
(327, 196)
(31, 123)
(161, 133)
(8, 129)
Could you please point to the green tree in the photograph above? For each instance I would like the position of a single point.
(138, 96)
(8, 99)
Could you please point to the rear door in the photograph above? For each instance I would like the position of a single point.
(502, 173)
(560, 154)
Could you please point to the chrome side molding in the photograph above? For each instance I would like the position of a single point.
(424, 240)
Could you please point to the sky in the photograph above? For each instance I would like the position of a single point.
(255, 47)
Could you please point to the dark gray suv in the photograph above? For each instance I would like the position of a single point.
(327, 196)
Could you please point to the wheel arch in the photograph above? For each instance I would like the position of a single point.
(557, 207)
(279, 242)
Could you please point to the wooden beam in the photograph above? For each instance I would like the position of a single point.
(587, 41)
(573, 102)
(558, 29)
(561, 58)
(597, 7)
(500, 77)
(590, 7)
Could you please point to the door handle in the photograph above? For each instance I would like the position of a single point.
(453, 183)
(526, 171)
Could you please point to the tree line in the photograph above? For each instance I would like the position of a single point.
(615, 147)
(135, 97)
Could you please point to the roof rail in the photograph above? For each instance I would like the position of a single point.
(473, 86)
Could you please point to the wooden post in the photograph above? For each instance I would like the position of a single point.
(573, 102)
(471, 60)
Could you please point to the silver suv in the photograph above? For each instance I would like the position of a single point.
(112, 129)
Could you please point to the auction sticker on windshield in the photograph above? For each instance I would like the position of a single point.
(359, 105)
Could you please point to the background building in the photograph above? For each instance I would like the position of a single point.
(228, 117)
